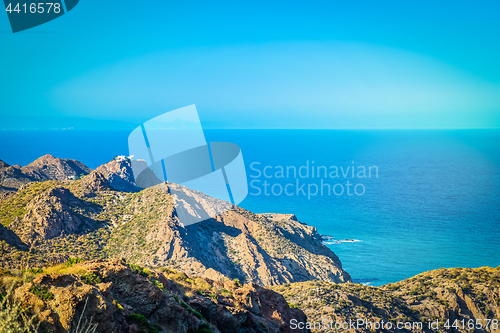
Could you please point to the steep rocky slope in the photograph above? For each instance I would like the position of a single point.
(89, 219)
(120, 175)
(117, 297)
(444, 297)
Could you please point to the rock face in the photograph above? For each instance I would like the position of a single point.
(120, 175)
(237, 243)
(48, 167)
(95, 182)
(120, 298)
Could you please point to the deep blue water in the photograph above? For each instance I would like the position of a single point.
(435, 202)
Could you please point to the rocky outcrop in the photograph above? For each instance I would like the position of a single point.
(3, 165)
(94, 182)
(118, 298)
(120, 175)
(48, 167)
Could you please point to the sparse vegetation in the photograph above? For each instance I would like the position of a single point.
(13, 318)
(192, 311)
(91, 278)
(144, 325)
(42, 292)
(73, 261)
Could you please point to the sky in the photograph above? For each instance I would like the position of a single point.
(256, 64)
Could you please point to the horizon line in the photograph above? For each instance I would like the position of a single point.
(258, 128)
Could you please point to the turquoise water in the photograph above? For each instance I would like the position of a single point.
(435, 202)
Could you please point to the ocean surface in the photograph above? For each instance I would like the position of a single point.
(432, 199)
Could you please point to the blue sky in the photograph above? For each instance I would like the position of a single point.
(360, 64)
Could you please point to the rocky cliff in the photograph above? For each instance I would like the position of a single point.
(89, 219)
(115, 296)
(120, 175)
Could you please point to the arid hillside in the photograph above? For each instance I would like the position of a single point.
(452, 300)
(90, 219)
(112, 296)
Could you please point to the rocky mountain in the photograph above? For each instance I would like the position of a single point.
(113, 296)
(89, 219)
(45, 168)
(449, 300)
(12, 177)
(48, 167)
(120, 174)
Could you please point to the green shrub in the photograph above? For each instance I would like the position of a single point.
(35, 270)
(192, 311)
(140, 270)
(158, 284)
(118, 305)
(41, 292)
(212, 296)
(141, 321)
(73, 261)
(91, 278)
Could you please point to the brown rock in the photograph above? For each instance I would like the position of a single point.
(73, 301)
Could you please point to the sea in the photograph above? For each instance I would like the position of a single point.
(417, 200)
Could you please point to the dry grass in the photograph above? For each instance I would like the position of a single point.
(73, 270)
(13, 318)
(55, 269)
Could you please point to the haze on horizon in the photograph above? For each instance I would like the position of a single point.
(257, 65)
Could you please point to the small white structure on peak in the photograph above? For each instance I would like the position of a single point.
(121, 158)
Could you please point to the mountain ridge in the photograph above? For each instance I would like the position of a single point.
(45, 168)
(89, 218)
